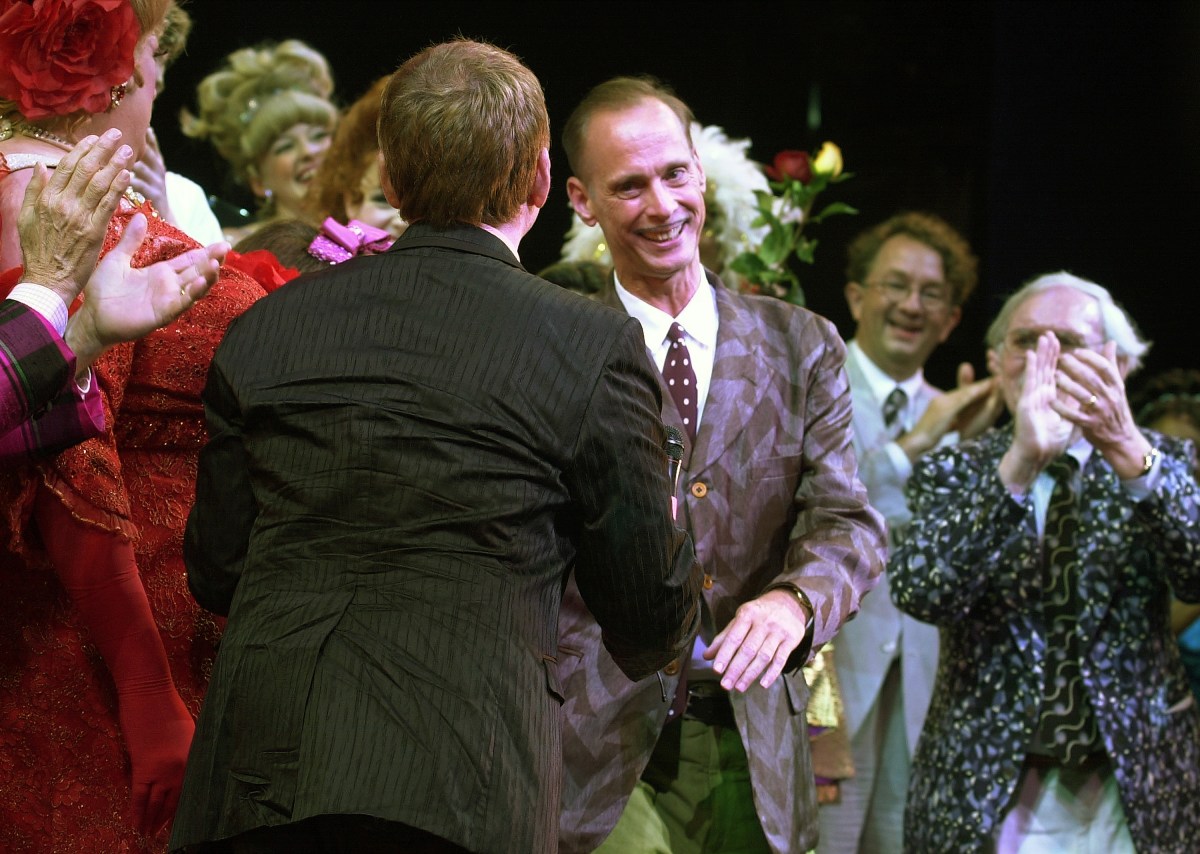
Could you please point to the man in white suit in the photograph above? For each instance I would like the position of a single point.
(907, 280)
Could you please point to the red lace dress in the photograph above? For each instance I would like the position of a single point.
(64, 772)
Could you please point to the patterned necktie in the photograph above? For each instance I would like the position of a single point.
(1067, 726)
(893, 406)
(681, 379)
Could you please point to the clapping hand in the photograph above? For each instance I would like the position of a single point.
(65, 213)
(122, 303)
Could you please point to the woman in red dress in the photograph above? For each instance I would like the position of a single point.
(104, 656)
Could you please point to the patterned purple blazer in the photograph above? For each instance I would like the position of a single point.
(38, 409)
(970, 563)
(770, 494)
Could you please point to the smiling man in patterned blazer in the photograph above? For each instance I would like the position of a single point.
(1046, 551)
(714, 756)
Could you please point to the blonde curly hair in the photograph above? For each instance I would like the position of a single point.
(258, 94)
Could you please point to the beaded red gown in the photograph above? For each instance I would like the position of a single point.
(64, 770)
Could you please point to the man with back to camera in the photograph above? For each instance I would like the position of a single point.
(781, 523)
(1046, 552)
(407, 453)
(907, 280)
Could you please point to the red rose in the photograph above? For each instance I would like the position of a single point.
(61, 56)
(262, 266)
(791, 164)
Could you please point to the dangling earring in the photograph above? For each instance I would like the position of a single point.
(115, 96)
(268, 194)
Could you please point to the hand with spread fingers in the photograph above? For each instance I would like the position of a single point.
(122, 303)
(1040, 430)
(150, 177)
(759, 640)
(1093, 399)
(65, 213)
(969, 409)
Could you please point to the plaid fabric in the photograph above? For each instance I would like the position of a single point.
(39, 411)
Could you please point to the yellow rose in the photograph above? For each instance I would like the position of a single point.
(828, 161)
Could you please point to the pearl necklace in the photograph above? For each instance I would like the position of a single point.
(8, 128)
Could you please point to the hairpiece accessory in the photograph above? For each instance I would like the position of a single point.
(255, 103)
(115, 96)
(336, 243)
(66, 56)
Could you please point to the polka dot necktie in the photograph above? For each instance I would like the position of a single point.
(1067, 727)
(680, 377)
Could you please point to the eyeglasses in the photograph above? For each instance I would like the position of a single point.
(1022, 340)
(897, 289)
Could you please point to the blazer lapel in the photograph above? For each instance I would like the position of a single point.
(739, 373)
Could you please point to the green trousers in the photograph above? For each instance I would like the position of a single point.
(708, 807)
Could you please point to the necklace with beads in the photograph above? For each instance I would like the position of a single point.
(8, 128)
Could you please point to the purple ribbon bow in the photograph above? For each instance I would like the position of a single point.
(336, 243)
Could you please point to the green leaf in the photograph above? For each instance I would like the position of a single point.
(775, 246)
(749, 265)
(805, 250)
(795, 294)
(832, 210)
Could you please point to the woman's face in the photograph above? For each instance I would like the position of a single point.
(289, 165)
(373, 208)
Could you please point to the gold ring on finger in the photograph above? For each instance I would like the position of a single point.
(1091, 402)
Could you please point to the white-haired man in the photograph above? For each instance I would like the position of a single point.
(1046, 552)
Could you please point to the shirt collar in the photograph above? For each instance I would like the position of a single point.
(698, 318)
(880, 383)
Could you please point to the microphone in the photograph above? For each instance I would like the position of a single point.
(674, 449)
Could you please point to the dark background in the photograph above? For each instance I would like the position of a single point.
(1054, 135)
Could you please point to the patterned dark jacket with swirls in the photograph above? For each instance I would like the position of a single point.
(970, 563)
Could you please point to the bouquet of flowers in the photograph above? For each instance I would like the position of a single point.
(796, 180)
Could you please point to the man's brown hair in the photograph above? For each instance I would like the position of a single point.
(461, 126)
(959, 265)
(617, 94)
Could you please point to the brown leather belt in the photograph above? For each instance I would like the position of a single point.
(709, 704)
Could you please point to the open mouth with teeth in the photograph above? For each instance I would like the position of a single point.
(663, 234)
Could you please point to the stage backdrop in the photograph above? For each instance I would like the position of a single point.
(1055, 135)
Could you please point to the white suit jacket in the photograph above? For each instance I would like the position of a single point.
(864, 648)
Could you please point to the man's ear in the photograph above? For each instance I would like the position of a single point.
(700, 171)
(955, 317)
(855, 293)
(578, 194)
(993, 362)
(385, 184)
(541, 180)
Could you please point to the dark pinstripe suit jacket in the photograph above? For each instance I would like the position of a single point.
(406, 454)
(770, 495)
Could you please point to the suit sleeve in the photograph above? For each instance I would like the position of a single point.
(968, 538)
(838, 544)
(39, 409)
(1171, 517)
(219, 525)
(635, 570)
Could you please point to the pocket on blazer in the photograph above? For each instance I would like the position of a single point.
(797, 690)
(770, 468)
(550, 665)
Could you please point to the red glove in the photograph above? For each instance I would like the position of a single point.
(98, 570)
